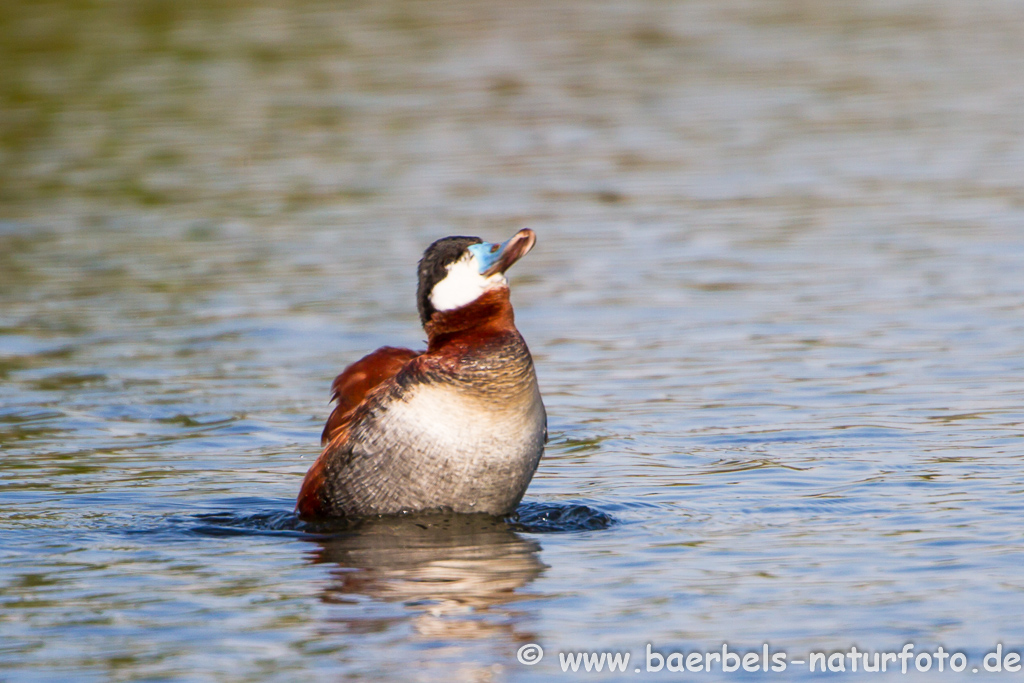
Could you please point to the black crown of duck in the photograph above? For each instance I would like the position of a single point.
(460, 426)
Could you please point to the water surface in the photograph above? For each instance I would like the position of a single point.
(775, 306)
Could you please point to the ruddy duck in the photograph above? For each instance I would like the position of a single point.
(460, 426)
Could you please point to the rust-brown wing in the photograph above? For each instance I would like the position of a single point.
(350, 387)
(350, 390)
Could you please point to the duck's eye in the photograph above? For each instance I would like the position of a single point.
(494, 248)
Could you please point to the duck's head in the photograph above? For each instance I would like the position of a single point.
(456, 271)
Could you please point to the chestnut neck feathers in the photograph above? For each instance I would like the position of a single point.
(483, 352)
(488, 316)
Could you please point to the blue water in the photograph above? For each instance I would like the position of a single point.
(775, 307)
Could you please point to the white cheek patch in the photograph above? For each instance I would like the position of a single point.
(463, 284)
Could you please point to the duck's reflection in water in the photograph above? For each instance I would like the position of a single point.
(458, 574)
